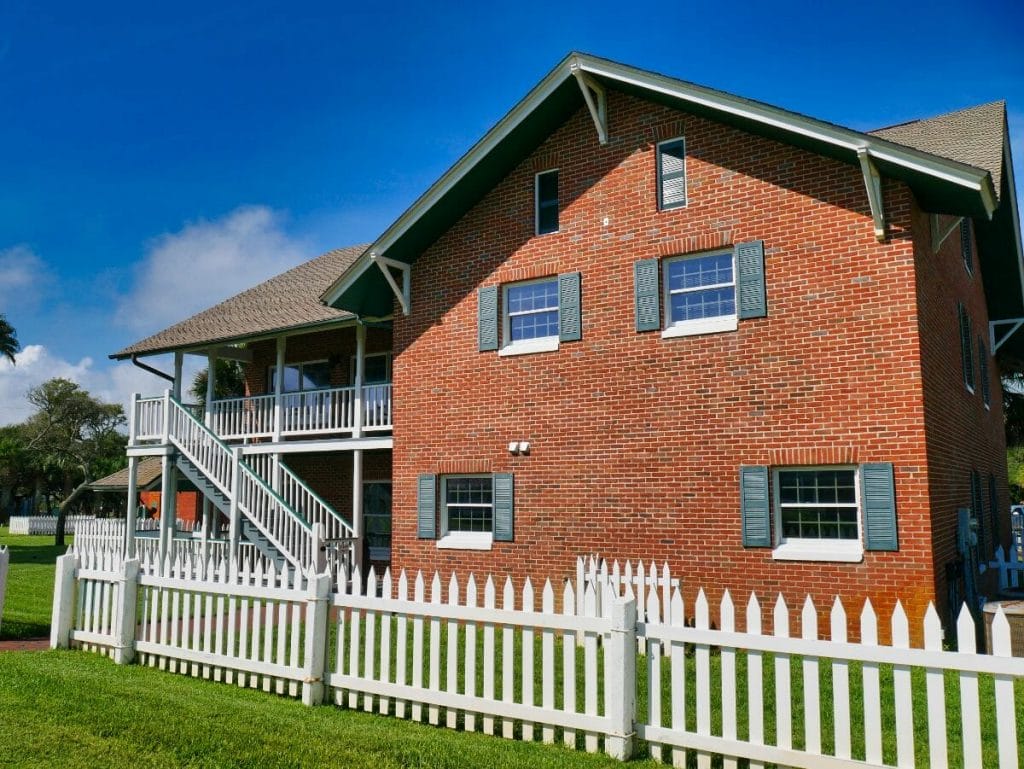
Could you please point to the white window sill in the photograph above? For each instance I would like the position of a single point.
(702, 326)
(528, 346)
(850, 551)
(466, 540)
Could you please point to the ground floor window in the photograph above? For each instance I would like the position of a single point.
(377, 519)
(468, 504)
(817, 513)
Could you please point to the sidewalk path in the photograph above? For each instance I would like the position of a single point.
(25, 645)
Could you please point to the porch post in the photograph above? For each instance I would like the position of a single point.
(211, 375)
(357, 508)
(131, 515)
(133, 409)
(358, 416)
(278, 388)
(234, 532)
(166, 504)
(178, 359)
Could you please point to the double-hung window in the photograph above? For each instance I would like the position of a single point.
(467, 512)
(817, 513)
(310, 375)
(700, 294)
(530, 316)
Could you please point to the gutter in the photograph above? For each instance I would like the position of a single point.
(151, 370)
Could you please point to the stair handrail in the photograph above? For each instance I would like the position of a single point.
(300, 529)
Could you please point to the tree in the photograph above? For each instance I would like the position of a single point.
(8, 339)
(229, 381)
(75, 435)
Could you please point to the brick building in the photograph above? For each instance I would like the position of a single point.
(651, 320)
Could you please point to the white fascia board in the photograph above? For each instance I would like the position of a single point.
(951, 171)
(318, 446)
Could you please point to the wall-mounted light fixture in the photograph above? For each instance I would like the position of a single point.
(519, 447)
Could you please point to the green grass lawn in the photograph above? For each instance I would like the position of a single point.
(71, 709)
(29, 598)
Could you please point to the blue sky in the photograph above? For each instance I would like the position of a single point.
(155, 159)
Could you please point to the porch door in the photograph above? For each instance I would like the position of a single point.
(377, 519)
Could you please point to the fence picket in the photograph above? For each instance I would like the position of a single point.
(355, 629)
(547, 654)
(936, 693)
(902, 695)
(294, 658)
(529, 672)
(703, 677)
(812, 696)
(970, 717)
(678, 667)
(1006, 732)
(488, 660)
(728, 657)
(755, 680)
(508, 656)
(653, 673)
(452, 651)
(469, 683)
(590, 694)
(370, 647)
(417, 647)
(401, 636)
(569, 662)
(433, 712)
(872, 693)
(840, 683)
(384, 704)
(783, 688)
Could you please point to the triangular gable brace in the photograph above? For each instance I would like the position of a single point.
(997, 340)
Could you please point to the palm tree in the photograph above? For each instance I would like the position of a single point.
(8, 339)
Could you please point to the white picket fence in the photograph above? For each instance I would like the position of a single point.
(642, 581)
(503, 660)
(1011, 569)
(46, 524)
(5, 560)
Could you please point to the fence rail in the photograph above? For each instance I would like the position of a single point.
(46, 524)
(504, 660)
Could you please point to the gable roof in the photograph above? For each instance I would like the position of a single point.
(942, 184)
(149, 471)
(287, 301)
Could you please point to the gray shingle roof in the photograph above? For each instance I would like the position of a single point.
(288, 300)
(973, 136)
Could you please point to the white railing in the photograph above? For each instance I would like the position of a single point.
(318, 411)
(377, 414)
(46, 524)
(503, 660)
(282, 526)
(298, 496)
(251, 417)
(1011, 570)
(148, 419)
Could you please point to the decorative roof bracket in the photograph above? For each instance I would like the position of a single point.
(1014, 323)
(599, 109)
(873, 183)
(386, 265)
(939, 234)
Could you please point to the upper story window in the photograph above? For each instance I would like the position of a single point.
(966, 250)
(310, 375)
(376, 368)
(531, 314)
(671, 174)
(700, 294)
(547, 202)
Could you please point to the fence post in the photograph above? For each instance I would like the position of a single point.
(63, 601)
(319, 554)
(5, 558)
(318, 606)
(124, 617)
(620, 680)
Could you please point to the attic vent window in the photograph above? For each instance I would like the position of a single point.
(672, 174)
(547, 202)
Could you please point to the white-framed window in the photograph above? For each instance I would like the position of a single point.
(546, 197)
(530, 316)
(467, 512)
(671, 174)
(817, 513)
(700, 294)
(299, 377)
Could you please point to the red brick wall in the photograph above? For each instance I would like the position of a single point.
(963, 434)
(636, 440)
(188, 507)
(330, 474)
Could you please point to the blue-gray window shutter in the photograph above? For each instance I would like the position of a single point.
(978, 509)
(426, 507)
(966, 354)
(755, 507)
(646, 295)
(569, 320)
(487, 318)
(750, 288)
(503, 507)
(878, 497)
(986, 388)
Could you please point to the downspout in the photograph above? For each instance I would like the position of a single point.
(151, 370)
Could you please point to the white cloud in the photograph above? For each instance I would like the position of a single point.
(23, 276)
(206, 262)
(111, 383)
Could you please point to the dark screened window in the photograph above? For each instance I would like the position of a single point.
(672, 174)
(818, 504)
(547, 202)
